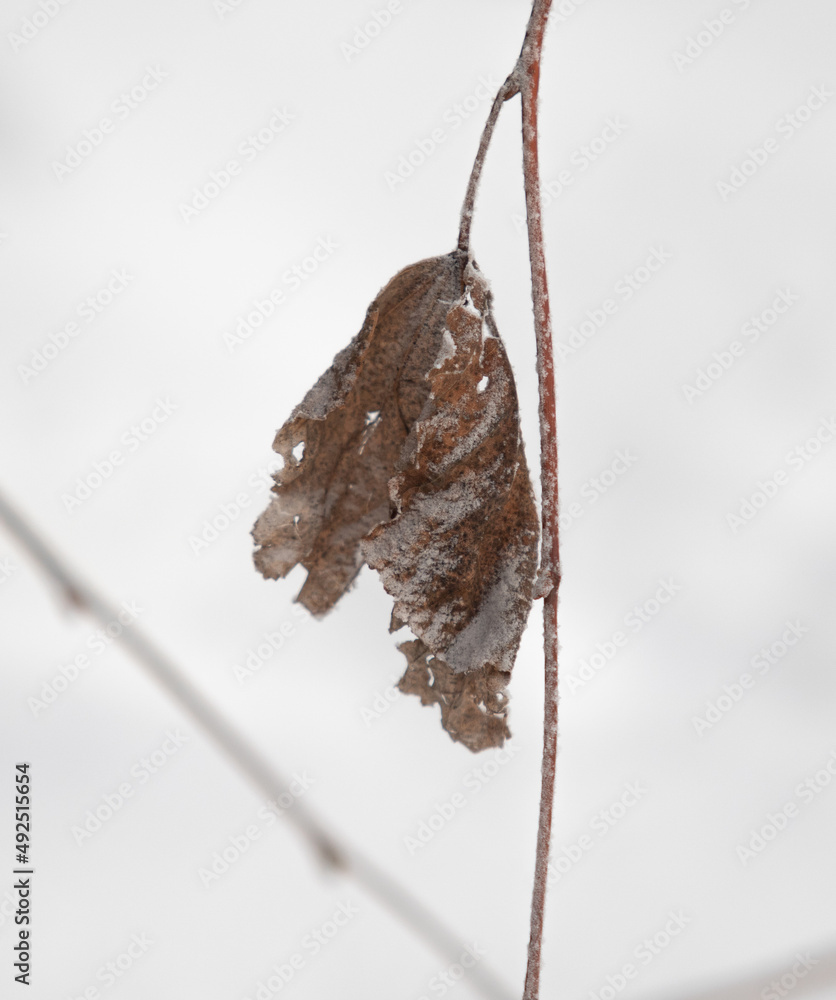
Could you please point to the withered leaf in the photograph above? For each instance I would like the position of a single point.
(473, 705)
(407, 455)
(351, 427)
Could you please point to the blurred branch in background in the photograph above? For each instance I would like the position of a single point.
(330, 849)
(802, 975)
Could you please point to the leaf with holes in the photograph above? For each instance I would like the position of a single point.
(407, 455)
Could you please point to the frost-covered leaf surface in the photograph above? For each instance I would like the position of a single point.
(407, 455)
(460, 553)
(353, 424)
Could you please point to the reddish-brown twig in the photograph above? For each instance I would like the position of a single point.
(549, 579)
(525, 80)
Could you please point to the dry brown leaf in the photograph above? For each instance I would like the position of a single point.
(412, 461)
(473, 705)
(352, 425)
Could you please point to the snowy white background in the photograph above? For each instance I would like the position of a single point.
(350, 117)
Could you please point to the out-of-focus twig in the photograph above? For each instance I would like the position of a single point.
(330, 848)
(801, 975)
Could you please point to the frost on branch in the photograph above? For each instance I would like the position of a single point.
(407, 455)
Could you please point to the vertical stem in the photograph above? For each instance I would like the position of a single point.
(525, 80)
(541, 867)
(549, 579)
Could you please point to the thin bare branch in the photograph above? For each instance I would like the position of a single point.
(525, 80)
(330, 848)
(549, 580)
(508, 90)
(816, 977)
